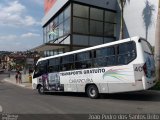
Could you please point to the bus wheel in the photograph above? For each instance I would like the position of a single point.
(40, 90)
(92, 91)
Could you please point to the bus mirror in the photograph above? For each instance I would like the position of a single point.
(139, 40)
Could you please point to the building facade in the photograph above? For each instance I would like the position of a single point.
(75, 24)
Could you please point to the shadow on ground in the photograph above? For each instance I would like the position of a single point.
(148, 95)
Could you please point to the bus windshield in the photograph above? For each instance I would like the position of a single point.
(149, 66)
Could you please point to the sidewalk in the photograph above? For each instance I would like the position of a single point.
(25, 81)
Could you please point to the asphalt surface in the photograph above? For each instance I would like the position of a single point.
(17, 100)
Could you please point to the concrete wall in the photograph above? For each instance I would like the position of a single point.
(140, 18)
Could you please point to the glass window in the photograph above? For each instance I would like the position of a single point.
(67, 63)
(56, 33)
(96, 28)
(109, 51)
(83, 64)
(47, 40)
(51, 53)
(126, 52)
(53, 68)
(104, 57)
(104, 61)
(126, 47)
(68, 66)
(55, 22)
(67, 12)
(107, 40)
(122, 59)
(83, 60)
(80, 10)
(110, 17)
(55, 52)
(54, 61)
(111, 60)
(99, 62)
(67, 26)
(47, 53)
(109, 29)
(51, 31)
(95, 40)
(83, 56)
(42, 67)
(80, 40)
(96, 14)
(61, 18)
(50, 26)
(45, 34)
(68, 59)
(54, 65)
(60, 28)
(80, 25)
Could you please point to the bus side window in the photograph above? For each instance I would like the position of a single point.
(104, 57)
(83, 60)
(67, 63)
(54, 65)
(126, 53)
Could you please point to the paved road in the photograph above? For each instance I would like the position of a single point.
(19, 100)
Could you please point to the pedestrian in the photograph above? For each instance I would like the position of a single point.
(19, 77)
(16, 76)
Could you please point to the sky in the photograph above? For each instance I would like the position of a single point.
(20, 24)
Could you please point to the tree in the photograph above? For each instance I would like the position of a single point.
(122, 4)
(147, 16)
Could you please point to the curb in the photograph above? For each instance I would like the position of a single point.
(21, 85)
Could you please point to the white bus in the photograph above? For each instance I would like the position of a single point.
(120, 66)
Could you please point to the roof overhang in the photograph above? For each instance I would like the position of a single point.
(49, 46)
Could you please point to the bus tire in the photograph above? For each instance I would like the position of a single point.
(40, 90)
(92, 91)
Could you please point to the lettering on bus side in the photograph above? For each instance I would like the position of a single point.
(81, 81)
(90, 71)
(138, 69)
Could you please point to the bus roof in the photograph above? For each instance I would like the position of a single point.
(92, 48)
